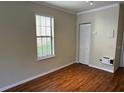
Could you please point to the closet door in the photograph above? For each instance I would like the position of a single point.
(84, 43)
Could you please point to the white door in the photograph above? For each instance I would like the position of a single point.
(84, 43)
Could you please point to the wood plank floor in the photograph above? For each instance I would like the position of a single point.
(76, 77)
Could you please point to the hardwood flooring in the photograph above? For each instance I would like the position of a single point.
(75, 78)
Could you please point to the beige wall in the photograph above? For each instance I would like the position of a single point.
(102, 44)
(119, 38)
(18, 42)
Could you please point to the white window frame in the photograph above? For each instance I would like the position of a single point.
(52, 39)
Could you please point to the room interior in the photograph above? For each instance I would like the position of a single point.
(85, 36)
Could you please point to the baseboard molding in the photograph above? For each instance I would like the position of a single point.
(77, 61)
(108, 70)
(34, 77)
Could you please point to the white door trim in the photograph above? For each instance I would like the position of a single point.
(122, 53)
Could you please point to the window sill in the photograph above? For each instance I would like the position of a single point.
(46, 57)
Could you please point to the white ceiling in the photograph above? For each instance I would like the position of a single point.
(76, 6)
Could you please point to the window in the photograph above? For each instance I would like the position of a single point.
(45, 37)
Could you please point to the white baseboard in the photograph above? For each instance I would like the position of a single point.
(108, 70)
(31, 78)
(77, 61)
